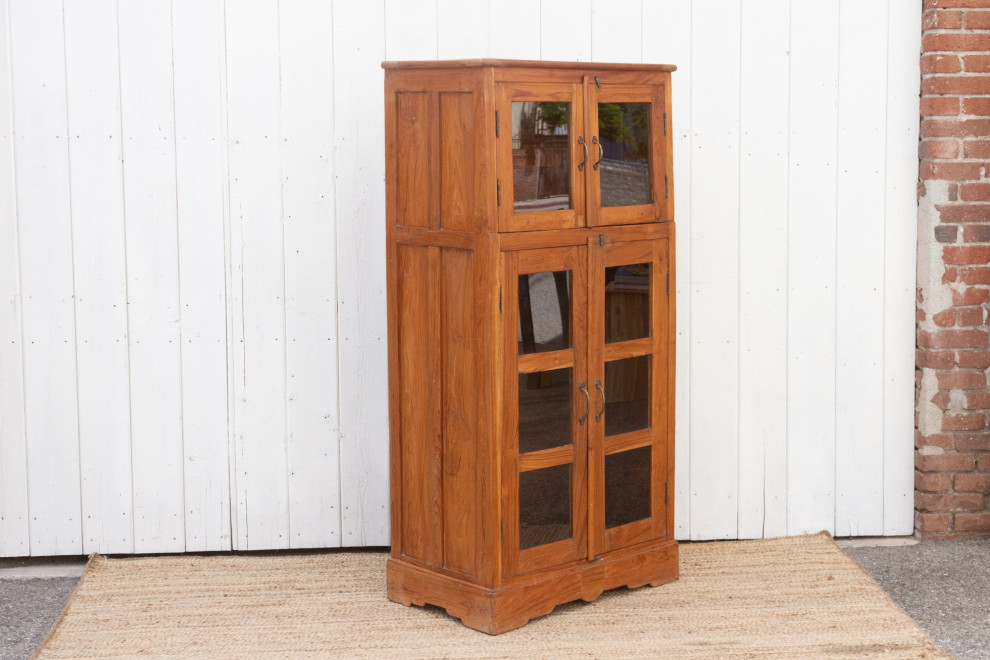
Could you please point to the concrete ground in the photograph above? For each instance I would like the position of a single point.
(943, 585)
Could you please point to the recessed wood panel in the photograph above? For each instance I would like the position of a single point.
(456, 160)
(413, 144)
(420, 382)
(460, 449)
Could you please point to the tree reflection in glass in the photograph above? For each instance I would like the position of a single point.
(540, 156)
(624, 131)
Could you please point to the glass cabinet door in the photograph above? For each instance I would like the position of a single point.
(629, 438)
(628, 179)
(541, 148)
(544, 449)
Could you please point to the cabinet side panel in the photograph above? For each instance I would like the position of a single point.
(457, 160)
(420, 396)
(460, 437)
(413, 158)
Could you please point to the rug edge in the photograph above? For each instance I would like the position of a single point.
(94, 558)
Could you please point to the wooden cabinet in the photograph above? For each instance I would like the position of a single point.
(531, 334)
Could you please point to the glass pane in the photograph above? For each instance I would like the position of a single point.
(624, 131)
(627, 302)
(544, 312)
(544, 506)
(627, 395)
(627, 486)
(541, 179)
(544, 410)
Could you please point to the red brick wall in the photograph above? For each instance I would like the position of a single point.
(952, 440)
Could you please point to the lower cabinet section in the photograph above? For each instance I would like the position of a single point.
(520, 599)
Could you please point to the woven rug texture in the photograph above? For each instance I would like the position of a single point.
(798, 597)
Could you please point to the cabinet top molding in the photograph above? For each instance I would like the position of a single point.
(452, 64)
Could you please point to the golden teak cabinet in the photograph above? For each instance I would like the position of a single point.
(530, 334)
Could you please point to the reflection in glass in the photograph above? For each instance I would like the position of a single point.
(540, 156)
(627, 395)
(627, 302)
(627, 486)
(624, 131)
(544, 410)
(544, 312)
(544, 506)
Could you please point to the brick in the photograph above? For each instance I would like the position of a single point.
(956, 42)
(978, 400)
(955, 84)
(947, 233)
(942, 400)
(972, 441)
(974, 275)
(950, 171)
(944, 128)
(975, 192)
(945, 319)
(951, 462)
(973, 522)
(940, 63)
(940, 19)
(964, 421)
(932, 481)
(954, 192)
(939, 149)
(976, 63)
(961, 380)
(977, 105)
(970, 296)
(968, 316)
(969, 482)
(966, 254)
(975, 20)
(932, 4)
(934, 359)
(940, 106)
(943, 440)
(952, 338)
(983, 463)
(949, 275)
(948, 501)
(933, 522)
(976, 234)
(964, 213)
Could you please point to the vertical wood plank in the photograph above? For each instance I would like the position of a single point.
(253, 81)
(565, 30)
(310, 267)
(148, 131)
(668, 24)
(14, 529)
(95, 151)
(714, 271)
(900, 241)
(197, 58)
(859, 293)
(45, 242)
(763, 268)
(361, 326)
(811, 274)
(462, 29)
(616, 31)
(514, 29)
(410, 30)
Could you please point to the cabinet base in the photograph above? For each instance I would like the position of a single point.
(518, 600)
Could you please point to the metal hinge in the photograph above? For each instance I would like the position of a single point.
(601, 239)
(668, 289)
(500, 299)
(664, 124)
(666, 187)
(598, 81)
(496, 124)
(498, 192)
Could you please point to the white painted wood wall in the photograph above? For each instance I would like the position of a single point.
(192, 331)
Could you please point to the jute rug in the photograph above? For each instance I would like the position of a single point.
(786, 598)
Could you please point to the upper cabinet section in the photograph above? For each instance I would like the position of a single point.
(511, 146)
